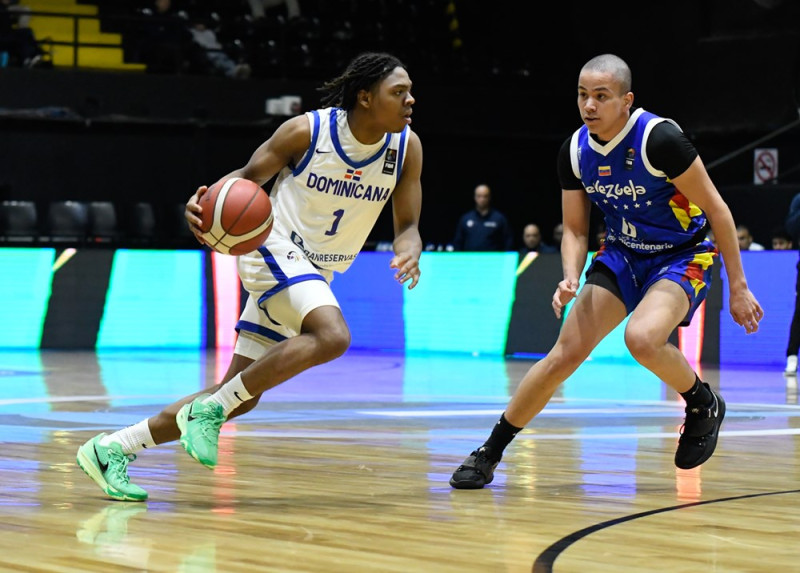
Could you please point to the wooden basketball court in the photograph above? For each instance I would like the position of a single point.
(346, 468)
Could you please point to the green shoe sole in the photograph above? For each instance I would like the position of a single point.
(91, 470)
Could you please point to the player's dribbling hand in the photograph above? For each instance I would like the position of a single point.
(745, 310)
(565, 292)
(191, 212)
(407, 269)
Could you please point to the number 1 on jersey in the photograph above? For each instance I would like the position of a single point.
(338, 217)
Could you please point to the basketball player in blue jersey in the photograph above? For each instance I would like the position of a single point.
(336, 168)
(654, 266)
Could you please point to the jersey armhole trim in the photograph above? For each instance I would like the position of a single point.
(573, 154)
(314, 121)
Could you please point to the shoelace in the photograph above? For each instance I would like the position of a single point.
(699, 413)
(118, 464)
(210, 424)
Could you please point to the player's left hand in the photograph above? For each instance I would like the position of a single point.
(745, 310)
(407, 269)
(192, 213)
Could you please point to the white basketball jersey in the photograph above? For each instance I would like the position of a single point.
(328, 204)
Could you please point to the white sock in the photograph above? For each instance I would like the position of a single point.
(132, 439)
(230, 395)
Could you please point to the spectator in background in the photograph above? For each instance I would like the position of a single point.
(532, 241)
(258, 8)
(711, 238)
(18, 45)
(212, 58)
(793, 227)
(558, 232)
(781, 239)
(483, 228)
(600, 235)
(163, 39)
(746, 242)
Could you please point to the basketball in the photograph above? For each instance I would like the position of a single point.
(237, 216)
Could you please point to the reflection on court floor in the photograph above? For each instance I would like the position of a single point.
(346, 468)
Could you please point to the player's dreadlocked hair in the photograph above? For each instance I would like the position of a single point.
(363, 72)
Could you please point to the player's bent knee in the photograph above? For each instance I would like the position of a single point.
(334, 342)
(640, 346)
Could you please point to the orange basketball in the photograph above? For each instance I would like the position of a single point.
(237, 216)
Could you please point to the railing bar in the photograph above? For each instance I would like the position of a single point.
(753, 144)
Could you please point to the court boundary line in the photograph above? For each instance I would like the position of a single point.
(545, 560)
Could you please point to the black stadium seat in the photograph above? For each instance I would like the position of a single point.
(18, 222)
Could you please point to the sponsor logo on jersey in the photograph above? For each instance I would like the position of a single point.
(294, 256)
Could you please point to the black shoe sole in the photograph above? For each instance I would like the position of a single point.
(464, 484)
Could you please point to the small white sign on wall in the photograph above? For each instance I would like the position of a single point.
(765, 166)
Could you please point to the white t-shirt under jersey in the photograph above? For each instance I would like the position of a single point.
(329, 203)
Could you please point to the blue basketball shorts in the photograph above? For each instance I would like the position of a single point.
(690, 268)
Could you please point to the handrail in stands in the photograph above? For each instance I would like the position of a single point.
(753, 144)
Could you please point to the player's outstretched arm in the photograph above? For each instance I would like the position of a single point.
(697, 186)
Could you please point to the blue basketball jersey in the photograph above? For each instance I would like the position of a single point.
(643, 209)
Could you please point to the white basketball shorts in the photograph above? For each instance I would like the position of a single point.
(283, 288)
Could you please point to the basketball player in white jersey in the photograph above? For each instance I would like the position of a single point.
(336, 168)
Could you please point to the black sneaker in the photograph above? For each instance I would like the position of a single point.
(476, 471)
(699, 433)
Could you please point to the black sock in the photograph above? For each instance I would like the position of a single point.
(698, 395)
(501, 436)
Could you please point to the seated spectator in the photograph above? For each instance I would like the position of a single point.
(212, 58)
(600, 236)
(258, 8)
(558, 233)
(781, 240)
(163, 38)
(532, 241)
(710, 236)
(746, 242)
(18, 44)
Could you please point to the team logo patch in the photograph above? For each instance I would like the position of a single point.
(353, 174)
(604, 170)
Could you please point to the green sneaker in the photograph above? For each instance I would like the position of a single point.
(199, 424)
(108, 467)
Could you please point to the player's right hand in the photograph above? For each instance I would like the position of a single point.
(565, 292)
